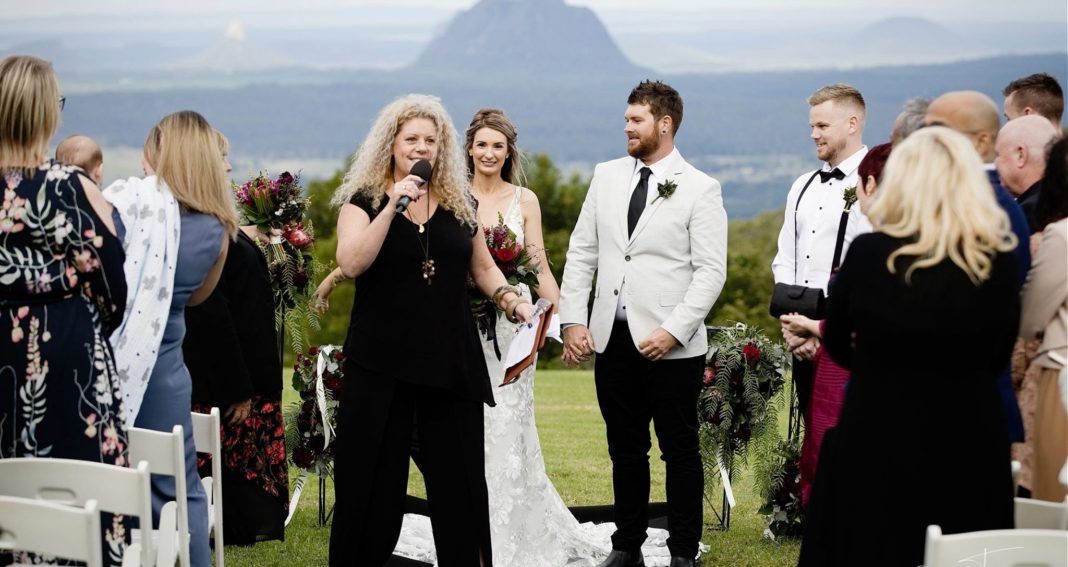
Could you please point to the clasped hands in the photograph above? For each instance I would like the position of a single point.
(579, 345)
(802, 335)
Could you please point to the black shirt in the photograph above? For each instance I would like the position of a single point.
(405, 329)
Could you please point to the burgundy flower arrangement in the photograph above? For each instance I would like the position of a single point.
(517, 264)
(311, 432)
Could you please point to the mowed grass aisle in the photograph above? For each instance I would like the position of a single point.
(576, 457)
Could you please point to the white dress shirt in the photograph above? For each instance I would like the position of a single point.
(660, 173)
(818, 216)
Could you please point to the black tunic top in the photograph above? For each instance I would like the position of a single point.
(921, 438)
(231, 348)
(402, 327)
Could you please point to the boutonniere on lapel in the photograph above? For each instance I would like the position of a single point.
(666, 188)
(850, 197)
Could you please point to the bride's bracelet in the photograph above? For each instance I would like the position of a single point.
(498, 295)
(509, 310)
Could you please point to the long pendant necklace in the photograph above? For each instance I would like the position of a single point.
(423, 227)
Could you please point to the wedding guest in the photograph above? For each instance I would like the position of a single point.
(975, 115)
(810, 231)
(413, 360)
(175, 256)
(1045, 316)
(1021, 160)
(942, 253)
(910, 119)
(62, 293)
(1039, 94)
(829, 378)
(85, 153)
(654, 231)
(231, 350)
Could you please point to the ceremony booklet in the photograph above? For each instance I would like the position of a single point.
(529, 339)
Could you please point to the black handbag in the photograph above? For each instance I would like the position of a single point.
(807, 301)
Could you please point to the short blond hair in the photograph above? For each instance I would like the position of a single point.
(840, 93)
(935, 193)
(183, 149)
(29, 110)
(80, 150)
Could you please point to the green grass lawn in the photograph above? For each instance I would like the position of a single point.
(576, 457)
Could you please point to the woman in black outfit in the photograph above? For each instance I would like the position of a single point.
(414, 364)
(923, 313)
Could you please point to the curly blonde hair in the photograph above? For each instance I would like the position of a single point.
(371, 172)
(935, 193)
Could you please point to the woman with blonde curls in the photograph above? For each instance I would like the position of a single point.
(923, 313)
(178, 224)
(414, 365)
(62, 293)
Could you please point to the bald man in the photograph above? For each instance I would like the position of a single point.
(1021, 159)
(976, 116)
(85, 153)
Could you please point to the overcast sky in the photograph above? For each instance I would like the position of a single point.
(1048, 10)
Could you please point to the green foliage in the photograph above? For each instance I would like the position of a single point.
(745, 296)
(322, 215)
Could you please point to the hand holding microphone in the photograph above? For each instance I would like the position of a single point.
(418, 176)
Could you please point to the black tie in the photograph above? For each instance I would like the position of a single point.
(835, 173)
(637, 200)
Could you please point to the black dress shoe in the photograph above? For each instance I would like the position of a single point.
(624, 559)
(681, 562)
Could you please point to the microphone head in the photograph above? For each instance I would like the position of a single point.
(421, 169)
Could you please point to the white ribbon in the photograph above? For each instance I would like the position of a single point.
(320, 392)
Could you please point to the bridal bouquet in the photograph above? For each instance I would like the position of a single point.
(277, 206)
(517, 264)
(311, 427)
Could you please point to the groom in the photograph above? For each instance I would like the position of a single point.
(654, 232)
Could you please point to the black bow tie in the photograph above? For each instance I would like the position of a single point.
(835, 173)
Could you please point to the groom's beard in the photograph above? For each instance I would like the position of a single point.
(645, 148)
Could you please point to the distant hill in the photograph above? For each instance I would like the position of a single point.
(525, 38)
(748, 129)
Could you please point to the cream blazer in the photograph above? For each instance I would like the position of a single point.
(674, 264)
(1044, 308)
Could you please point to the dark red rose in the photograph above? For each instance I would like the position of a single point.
(751, 353)
(303, 457)
(313, 351)
(506, 254)
(334, 384)
(339, 356)
(300, 279)
(285, 178)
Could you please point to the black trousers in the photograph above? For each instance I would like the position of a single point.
(632, 391)
(804, 373)
(377, 419)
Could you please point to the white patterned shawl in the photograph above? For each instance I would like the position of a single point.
(152, 219)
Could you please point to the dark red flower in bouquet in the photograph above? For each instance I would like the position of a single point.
(285, 178)
(303, 457)
(507, 254)
(313, 351)
(339, 356)
(332, 383)
(300, 278)
(709, 377)
(751, 353)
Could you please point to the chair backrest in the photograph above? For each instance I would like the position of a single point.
(118, 490)
(165, 453)
(206, 437)
(997, 548)
(1041, 515)
(54, 529)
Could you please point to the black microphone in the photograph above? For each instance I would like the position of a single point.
(422, 170)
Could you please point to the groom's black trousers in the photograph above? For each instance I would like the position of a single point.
(631, 391)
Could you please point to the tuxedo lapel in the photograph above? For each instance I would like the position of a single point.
(620, 204)
(675, 174)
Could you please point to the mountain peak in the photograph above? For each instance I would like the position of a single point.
(546, 36)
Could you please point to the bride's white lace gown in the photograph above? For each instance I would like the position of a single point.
(530, 526)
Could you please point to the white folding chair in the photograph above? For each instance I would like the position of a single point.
(165, 454)
(44, 527)
(118, 490)
(1041, 515)
(206, 437)
(997, 548)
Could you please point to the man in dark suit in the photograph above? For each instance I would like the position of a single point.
(973, 114)
(1021, 159)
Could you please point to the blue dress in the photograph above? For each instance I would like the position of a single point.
(168, 399)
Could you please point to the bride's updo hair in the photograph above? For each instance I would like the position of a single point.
(495, 119)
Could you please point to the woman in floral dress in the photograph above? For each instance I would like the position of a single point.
(62, 292)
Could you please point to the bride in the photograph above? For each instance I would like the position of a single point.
(529, 523)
